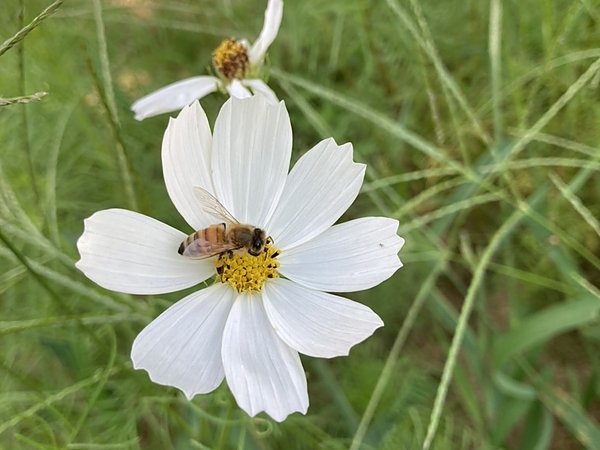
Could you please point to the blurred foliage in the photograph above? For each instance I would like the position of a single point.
(479, 125)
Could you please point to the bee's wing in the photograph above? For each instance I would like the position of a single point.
(212, 206)
(201, 248)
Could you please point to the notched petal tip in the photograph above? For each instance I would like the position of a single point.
(321, 186)
(79, 266)
(181, 347)
(79, 263)
(281, 418)
(189, 395)
(336, 261)
(188, 112)
(376, 324)
(317, 323)
(277, 416)
(347, 153)
(401, 242)
(262, 372)
(396, 223)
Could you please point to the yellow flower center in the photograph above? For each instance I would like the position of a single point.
(230, 58)
(247, 273)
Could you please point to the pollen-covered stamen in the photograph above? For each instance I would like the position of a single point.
(247, 273)
(230, 58)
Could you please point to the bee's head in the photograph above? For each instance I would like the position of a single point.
(257, 244)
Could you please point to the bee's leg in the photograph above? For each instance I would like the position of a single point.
(222, 262)
(226, 254)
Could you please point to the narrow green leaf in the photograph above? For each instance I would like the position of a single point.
(544, 325)
(513, 388)
(507, 415)
(583, 427)
(538, 428)
(462, 325)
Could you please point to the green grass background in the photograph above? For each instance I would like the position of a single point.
(479, 124)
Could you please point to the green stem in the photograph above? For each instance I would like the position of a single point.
(25, 110)
(462, 324)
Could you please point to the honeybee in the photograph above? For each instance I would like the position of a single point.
(223, 237)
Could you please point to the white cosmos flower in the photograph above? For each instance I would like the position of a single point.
(250, 338)
(237, 64)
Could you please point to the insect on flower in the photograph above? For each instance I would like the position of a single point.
(224, 237)
(237, 64)
(270, 299)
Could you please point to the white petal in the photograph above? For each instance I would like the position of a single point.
(319, 189)
(128, 252)
(252, 146)
(316, 323)
(236, 89)
(348, 257)
(260, 87)
(273, 15)
(174, 96)
(182, 346)
(263, 373)
(186, 159)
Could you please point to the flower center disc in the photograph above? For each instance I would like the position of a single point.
(247, 273)
(231, 59)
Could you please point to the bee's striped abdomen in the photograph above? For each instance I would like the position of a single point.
(213, 235)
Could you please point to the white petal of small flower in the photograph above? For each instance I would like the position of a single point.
(260, 87)
(236, 89)
(319, 189)
(252, 146)
(174, 96)
(128, 252)
(182, 346)
(347, 257)
(186, 159)
(316, 323)
(263, 373)
(273, 15)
